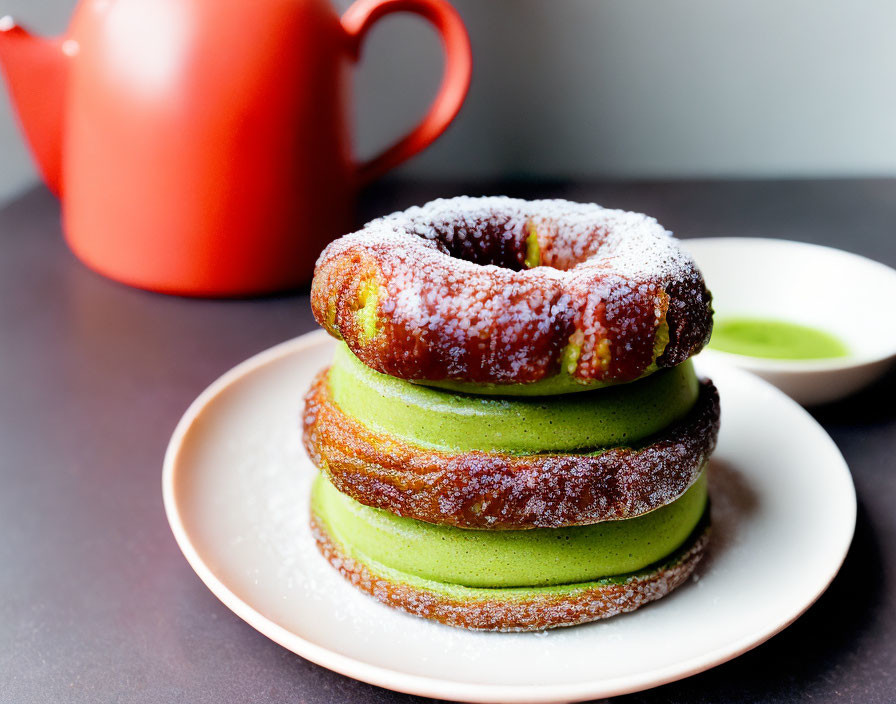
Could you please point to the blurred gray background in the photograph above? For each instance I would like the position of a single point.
(633, 89)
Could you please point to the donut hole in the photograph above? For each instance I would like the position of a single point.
(517, 246)
(502, 243)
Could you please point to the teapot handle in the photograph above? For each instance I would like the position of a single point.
(361, 16)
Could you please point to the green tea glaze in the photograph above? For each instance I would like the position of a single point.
(619, 415)
(514, 558)
(775, 339)
(504, 594)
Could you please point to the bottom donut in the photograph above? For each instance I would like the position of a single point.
(511, 608)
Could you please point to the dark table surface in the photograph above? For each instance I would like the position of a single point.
(98, 605)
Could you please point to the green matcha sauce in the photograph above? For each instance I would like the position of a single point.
(774, 339)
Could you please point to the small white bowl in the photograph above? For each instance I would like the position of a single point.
(850, 296)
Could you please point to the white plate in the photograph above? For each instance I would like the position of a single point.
(236, 492)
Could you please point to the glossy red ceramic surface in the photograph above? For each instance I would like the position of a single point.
(201, 147)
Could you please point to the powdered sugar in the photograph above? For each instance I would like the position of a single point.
(570, 234)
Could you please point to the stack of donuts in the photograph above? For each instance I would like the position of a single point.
(511, 435)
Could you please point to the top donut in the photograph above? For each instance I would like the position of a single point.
(506, 291)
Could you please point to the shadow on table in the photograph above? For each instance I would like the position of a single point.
(828, 649)
(867, 407)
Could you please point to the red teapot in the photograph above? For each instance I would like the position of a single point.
(200, 147)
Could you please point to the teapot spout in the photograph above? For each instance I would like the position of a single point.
(36, 70)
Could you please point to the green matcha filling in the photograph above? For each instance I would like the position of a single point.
(541, 557)
(533, 249)
(562, 383)
(470, 594)
(620, 415)
(366, 314)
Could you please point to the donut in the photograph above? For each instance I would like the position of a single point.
(498, 490)
(503, 608)
(511, 293)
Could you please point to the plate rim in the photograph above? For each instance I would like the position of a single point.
(433, 686)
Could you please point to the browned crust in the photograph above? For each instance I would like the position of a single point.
(523, 321)
(524, 613)
(500, 491)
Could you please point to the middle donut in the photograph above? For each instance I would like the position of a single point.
(509, 463)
